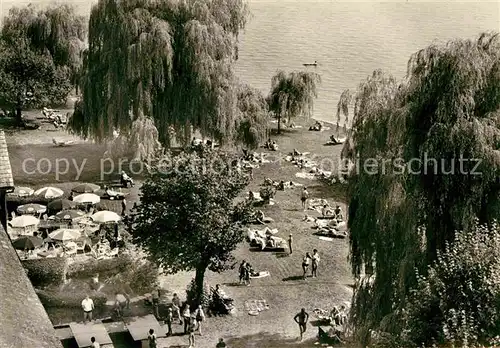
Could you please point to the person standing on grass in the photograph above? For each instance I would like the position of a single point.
(248, 270)
(94, 343)
(168, 321)
(304, 197)
(200, 317)
(88, 307)
(124, 206)
(122, 302)
(176, 307)
(290, 242)
(152, 338)
(186, 314)
(305, 264)
(315, 262)
(301, 318)
(155, 301)
(241, 270)
(192, 328)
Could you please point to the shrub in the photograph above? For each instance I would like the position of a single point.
(458, 301)
(104, 268)
(191, 294)
(139, 278)
(70, 299)
(143, 278)
(43, 272)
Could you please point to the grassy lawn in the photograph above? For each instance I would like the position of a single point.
(283, 292)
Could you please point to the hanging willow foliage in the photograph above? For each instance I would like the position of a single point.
(293, 94)
(343, 108)
(40, 56)
(447, 107)
(55, 30)
(253, 122)
(169, 61)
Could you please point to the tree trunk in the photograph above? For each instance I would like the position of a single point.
(19, 115)
(199, 279)
(279, 124)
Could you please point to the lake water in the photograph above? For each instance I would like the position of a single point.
(348, 39)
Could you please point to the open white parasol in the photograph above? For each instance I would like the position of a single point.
(105, 216)
(87, 198)
(49, 192)
(24, 221)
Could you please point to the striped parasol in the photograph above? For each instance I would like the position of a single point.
(31, 208)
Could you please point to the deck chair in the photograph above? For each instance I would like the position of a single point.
(62, 143)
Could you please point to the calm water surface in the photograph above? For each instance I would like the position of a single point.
(348, 39)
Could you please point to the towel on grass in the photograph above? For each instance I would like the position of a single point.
(256, 305)
(260, 274)
(303, 175)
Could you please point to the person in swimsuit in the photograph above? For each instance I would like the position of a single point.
(152, 338)
(301, 318)
(315, 262)
(305, 264)
(303, 198)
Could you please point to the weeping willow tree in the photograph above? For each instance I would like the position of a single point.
(447, 108)
(292, 94)
(343, 109)
(253, 124)
(166, 61)
(41, 56)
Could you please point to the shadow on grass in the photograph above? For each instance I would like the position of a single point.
(233, 284)
(267, 250)
(292, 278)
(322, 234)
(281, 254)
(285, 131)
(316, 323)
(268, 340)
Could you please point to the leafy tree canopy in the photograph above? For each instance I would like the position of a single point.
(169, 61)
(446, 108)
(292, 94)
(187, 219)
(40, 56)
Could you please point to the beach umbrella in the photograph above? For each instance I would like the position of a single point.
(49, 192)
(27, 243)
(69, 214)
(85, 188)
(24, 221)
(61, 204)
(65, 234)
(105, 216)
(87, 198)
(22, 191)
(31, 208)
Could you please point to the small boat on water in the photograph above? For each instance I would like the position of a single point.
(311, 64)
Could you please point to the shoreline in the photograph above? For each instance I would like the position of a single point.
(46, 133)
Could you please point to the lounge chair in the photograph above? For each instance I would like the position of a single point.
(62, 143)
